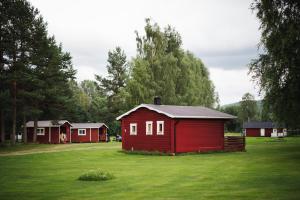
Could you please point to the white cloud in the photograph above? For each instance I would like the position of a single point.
(222, 33)
(232, 84)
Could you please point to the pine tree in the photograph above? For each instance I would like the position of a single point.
(114, 84)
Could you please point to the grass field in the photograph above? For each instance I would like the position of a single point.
(270, 169)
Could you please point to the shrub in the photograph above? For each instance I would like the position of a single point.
(96, 175)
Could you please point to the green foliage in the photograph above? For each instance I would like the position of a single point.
(276, 69)
(88, 103)
(162, 68)
(114, 88)
(232, 125)
(96, 175)
(34, 69)
(248, 108)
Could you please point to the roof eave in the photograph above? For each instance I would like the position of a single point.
(172, 116)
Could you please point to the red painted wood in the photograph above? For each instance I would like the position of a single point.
(141, 141)
(196, 135)
(102, 134)
(191, 134)
(54, 136)
(268, 132)
(253, 132)
(85, 138)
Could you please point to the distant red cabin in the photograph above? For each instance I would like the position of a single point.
(263, 129)
(173, 129)
(53, 132)
(89, 132)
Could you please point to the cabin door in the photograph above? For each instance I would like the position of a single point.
(262, 132)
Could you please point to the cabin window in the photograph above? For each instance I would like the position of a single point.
(284, 130)
(149, 127)
(160, 127)
(133, 129)
(274, 130)
(40, 131)
(81, 132)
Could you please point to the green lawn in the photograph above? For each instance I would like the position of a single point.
(270, 169)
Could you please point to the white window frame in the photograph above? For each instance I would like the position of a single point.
(284, 130)
(157, 127)
(131, 131)
(40, 131)
(147, 131)
(81, 129)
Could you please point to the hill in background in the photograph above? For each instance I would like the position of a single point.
(259, 104)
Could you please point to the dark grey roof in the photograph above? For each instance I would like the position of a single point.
(197, 112)
(47, 123)
(88, 125)
(259, 124)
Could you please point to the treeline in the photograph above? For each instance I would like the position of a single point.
(37, 80)
(34, 70)
(248, 109)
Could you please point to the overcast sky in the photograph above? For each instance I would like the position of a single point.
(224, 34)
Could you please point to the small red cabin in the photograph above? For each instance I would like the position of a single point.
(173, 129)
(89, 132)
(53, 132)
(263, 129)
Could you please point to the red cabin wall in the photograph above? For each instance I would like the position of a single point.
(44, 138)
(196, 135)
(102, 134)
(85, 138)
(253, 132)
(191, 134)
(141, 141)
(68, 133)
(54, 136)
(39, 138)
(268, 132)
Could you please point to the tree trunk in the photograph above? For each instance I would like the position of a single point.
(14, 120)
(34, 130)
(25, 129)
(2, 126)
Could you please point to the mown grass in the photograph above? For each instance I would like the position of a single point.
(268, 170)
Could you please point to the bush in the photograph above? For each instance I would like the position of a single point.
(96, 175)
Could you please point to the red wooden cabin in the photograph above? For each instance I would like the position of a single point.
(89, 132)
(263, 129)
(173, 129)
(48, 131)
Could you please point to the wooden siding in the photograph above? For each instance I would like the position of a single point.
(198, 135)
(85, 138)
(268, 132)
(102, 134)
(234, 143)
(54, 136)
(253, 132)
(141, 141)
